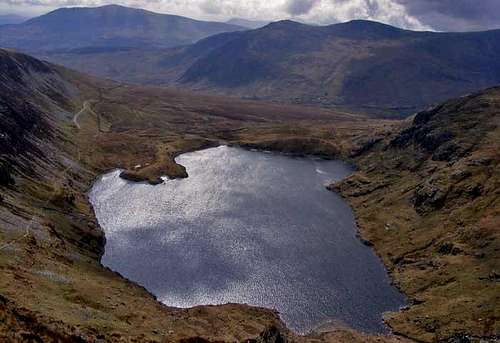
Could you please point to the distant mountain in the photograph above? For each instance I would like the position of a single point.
(356, 64)
(11, 19)
(251, 24)
(360, 65)
(106, 26)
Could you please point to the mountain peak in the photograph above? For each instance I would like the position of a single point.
(284, 24)
(368, 25)
(109, 26)
(367, 29)
(288, 26)
(79, 11)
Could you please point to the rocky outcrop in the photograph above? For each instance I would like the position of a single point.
(298, 146)
(429, 197)
(269, 335)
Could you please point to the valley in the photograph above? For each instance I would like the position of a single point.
(361, 66)
(49, 233)
(416, 114)
(59, 245)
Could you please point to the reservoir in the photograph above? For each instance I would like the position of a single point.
(247, 227)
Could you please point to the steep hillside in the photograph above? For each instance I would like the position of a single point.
(107, 26)
(59, 130)
(428, 199)
(25, 128)
(139, 66)
(357, 64)
(360, 65)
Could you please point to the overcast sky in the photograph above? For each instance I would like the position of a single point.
(440, 15)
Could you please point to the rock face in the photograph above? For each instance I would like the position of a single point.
(134, 177)
(428, 197)
(22, 122)
(270, 335)
(298, 147)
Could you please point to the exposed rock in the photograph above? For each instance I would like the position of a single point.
(482, 161)
(474, 190)
(430, 141)
(365, 147)
(135, 177)
(425, 116)
(458, 338)
(425, 137)
(297, 146)
(269, 335)
(448, 248)
(461, 174)
(53, 276)
(364, 241)
(494, 276)
(416, 301)
(448, 151)
(428, 197)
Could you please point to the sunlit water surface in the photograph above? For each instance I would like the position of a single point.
(247, 227)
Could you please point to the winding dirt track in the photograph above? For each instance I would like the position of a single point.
(85, 107)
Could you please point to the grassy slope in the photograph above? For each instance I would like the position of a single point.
(428, 198)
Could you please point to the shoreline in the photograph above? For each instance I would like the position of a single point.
(312, 332)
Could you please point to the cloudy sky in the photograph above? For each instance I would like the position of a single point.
(439, 15)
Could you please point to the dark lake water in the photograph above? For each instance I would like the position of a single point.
(247, 227)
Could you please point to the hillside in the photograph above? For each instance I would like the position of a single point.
(61, 129)
(361, 65)
(428, 199)
(107, 26)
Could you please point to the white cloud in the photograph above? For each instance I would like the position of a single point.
(386, 11)
(314, 11)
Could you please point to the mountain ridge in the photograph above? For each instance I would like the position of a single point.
(110, 25)
(360, 65)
